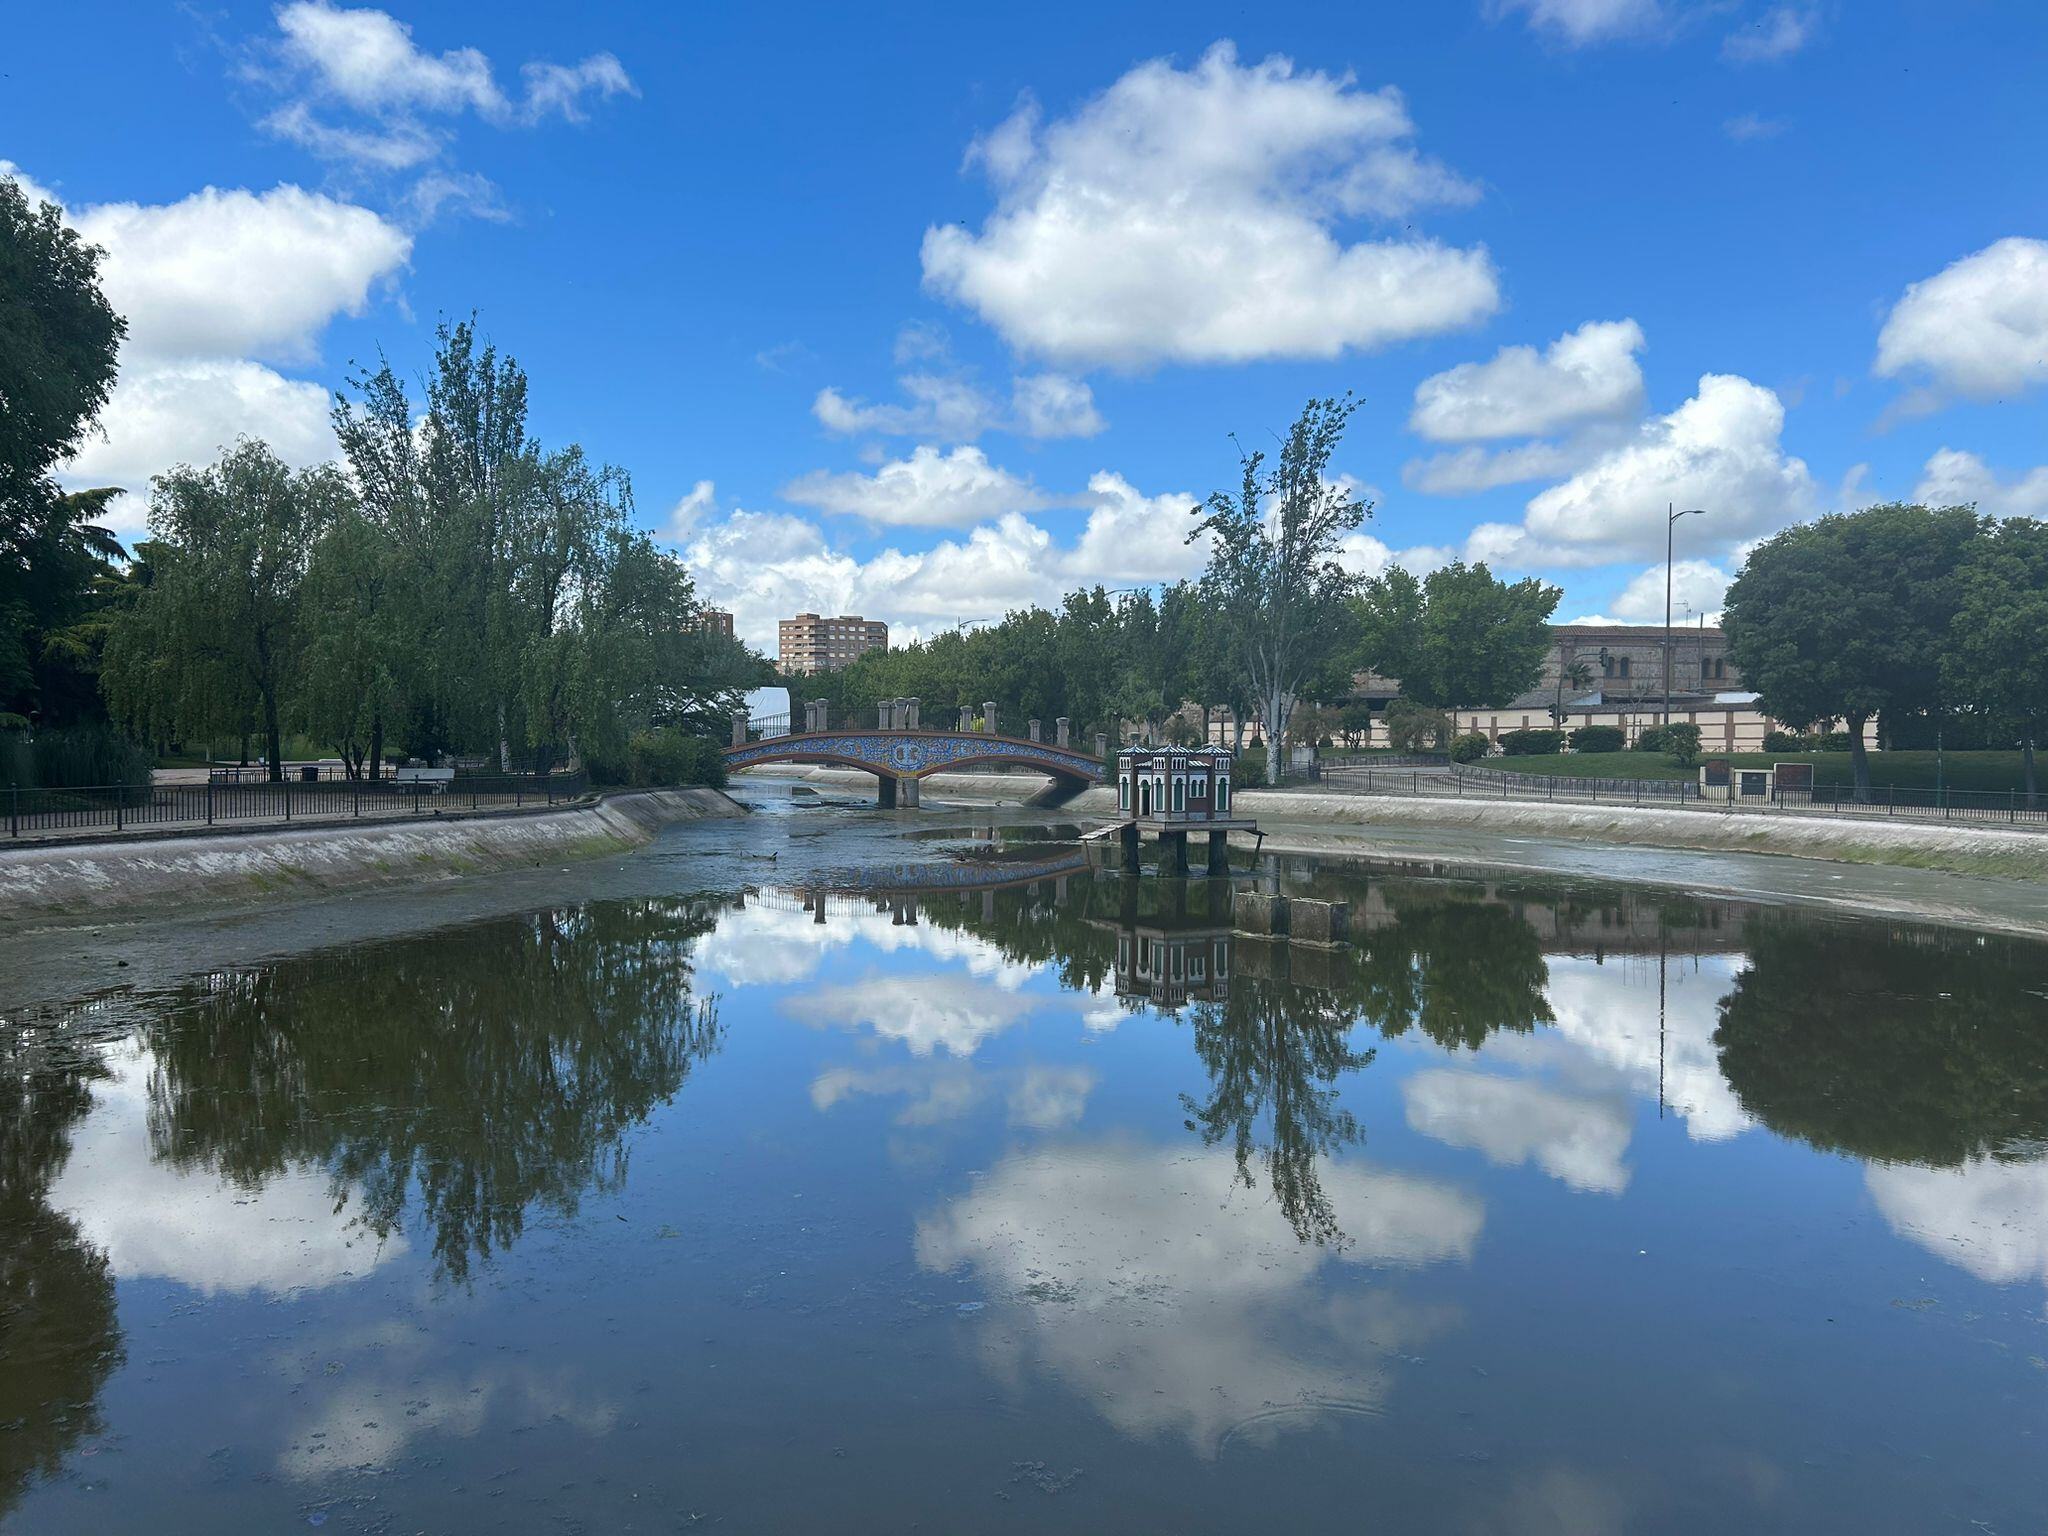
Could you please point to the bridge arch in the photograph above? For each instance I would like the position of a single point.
(898, 757)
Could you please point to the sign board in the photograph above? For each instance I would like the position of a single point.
(1714, 772)
(1796, 778)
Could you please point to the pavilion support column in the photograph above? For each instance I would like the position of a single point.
(1219, 853)
(885, 793)
(906, 794)
(1128, 838)
(1173, 851)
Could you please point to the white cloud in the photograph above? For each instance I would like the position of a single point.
(927, 1013)
(762, 566)
(1776, 35)
(774, 943)
(1990, 1218)
(1463, 471)
(953, 409)
(929, 489)
(1721, 451)
(1748, 128)
(936, 1091)
(1580, 1140)
(1050, 1098)
(1174, 1301)
(239, 273)
(1576, 23)
(156, 1221)
(208, 285)
(1697, 587)
(698, 503)
(185, 412)
(1953, 478)
(1054, 405)
(368, 60)
(1585, 375)
(1187, 216)
(1977, 328)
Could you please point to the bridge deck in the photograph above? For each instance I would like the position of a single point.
(915, 754)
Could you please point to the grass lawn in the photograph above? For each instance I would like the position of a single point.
(1903, 770)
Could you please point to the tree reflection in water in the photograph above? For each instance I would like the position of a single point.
(59, 1335)
(480, 1072)
(1895, 1045)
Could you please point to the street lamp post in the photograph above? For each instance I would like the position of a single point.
(1671, 523)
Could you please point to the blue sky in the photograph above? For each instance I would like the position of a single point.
(929, 312)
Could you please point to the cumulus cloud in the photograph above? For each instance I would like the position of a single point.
(1576, 23)
(1587, 374)
(1580, 1140)
(1952, 478)
(1990, 1218)
(953, 409)
(926, 1013)
(210, 284)
(929, 489)
(767, 565)
(1188, 216)
(1720, 450)
(1978, 328)
(1748, 128)
(1774, 36)
(1168, 1298)
(1464, 471)
(1697, 587)
(239, 273)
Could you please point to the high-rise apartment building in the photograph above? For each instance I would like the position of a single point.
(810, 643)
(716, 620)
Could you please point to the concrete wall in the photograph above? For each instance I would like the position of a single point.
(138, 874)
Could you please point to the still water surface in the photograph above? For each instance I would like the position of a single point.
(1043, 1202)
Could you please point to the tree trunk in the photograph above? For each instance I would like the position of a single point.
(273, 737)
(1859, 759)
(1236, 731)
(2027, 771)
(504, 745)
(377, 746)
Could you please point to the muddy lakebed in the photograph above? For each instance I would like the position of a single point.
(802, 1174)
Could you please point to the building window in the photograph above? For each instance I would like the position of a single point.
(1624, 666)
(1180, 793)
(1222, 792)
(1123, 792)
(1607, 666)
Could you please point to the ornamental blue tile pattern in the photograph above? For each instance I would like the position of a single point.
(911, 754)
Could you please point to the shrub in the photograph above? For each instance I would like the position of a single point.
(72, 757)
(1531, 743)
(1251, 768)
(1653, 739)
(666, 757)
(1598, 738)
(1825, 741)
(1469, 748)
(1781, 741)
(1682, 741)
(1411, 727)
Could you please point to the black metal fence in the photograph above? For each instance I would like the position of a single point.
(120, 808)
(2010, 806)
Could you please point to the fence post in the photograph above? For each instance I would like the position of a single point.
(120, 808)
(13, 809)
(209, 797)
(2012, 805)
(287, 799)
(515, 794)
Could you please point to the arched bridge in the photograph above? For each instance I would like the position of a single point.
(900, 759)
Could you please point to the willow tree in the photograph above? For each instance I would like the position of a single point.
(1273, 575)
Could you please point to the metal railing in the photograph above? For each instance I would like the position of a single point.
(1969, 805)
(124, 808)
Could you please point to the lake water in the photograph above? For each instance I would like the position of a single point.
(787, 1197)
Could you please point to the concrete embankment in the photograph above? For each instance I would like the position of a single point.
(132, 875)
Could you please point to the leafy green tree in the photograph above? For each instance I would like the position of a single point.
(1275, 577)
(1850, 616)
(1913, 1047)
(215, 638)
(1996, 658)
(1458, 638)
(350, 655)
(1682, 741)
(54, 630)
(59, 342)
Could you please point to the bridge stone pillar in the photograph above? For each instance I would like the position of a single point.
(907, 794)
(885, 715)
(966, 717)
(988, 717)
(1036, 729)
(909, 720)
(1101, 744)
(885, 793)
(1062, 730)
(739, 730)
